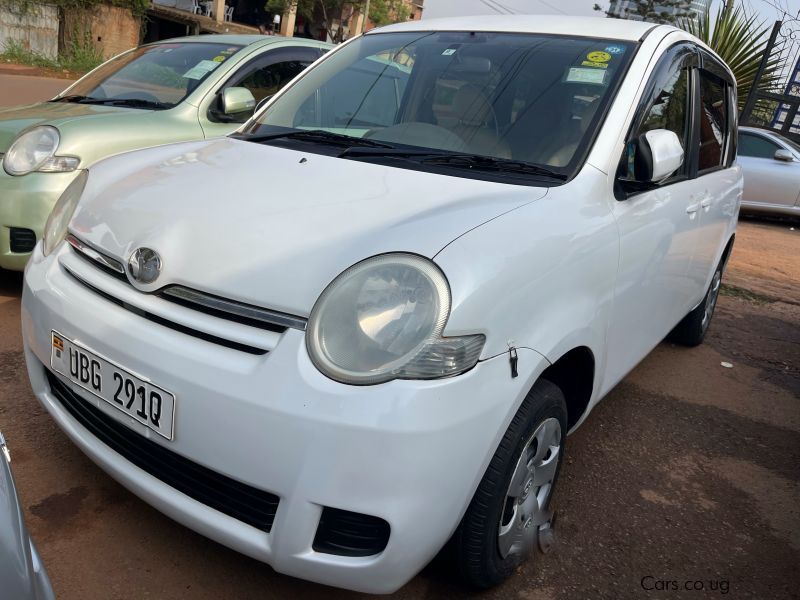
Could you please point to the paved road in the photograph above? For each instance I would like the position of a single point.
(687, 471)
(23, 89)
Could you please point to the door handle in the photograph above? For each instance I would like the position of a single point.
(692, 208)
(705, 203)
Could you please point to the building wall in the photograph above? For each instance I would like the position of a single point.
(36, 29)
(110, 28)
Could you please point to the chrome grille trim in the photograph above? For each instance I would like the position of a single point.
(155, 318)
(201, 300)
(217, 306)
(88, 252)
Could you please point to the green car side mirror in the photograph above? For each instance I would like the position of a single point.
(237, 100)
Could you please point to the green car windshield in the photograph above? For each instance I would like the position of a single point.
(155, 76)
(531, 98)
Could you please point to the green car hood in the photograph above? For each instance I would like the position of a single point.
(14, 120)
(93, 132)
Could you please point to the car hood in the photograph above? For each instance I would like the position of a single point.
(271, 226)
(14, 120)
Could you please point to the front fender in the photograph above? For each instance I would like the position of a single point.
(541, 276)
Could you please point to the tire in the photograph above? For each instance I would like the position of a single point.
(486, 546)
(691, 331)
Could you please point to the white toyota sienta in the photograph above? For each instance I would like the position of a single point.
(363, 325)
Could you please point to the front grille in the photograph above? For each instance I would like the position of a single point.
(223, 308)
(202, 335)
(238, 500)
(22, 240)
(346, 533)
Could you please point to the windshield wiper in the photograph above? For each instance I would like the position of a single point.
(313, 135)
(132, 102)
(475, 162)
(72, 98)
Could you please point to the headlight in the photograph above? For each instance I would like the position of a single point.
(56, 228)
(35, 150)
(382, 319)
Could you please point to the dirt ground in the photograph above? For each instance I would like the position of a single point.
(688, 472)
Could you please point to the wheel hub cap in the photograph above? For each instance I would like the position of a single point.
(525, 518)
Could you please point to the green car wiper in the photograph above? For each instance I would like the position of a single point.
(132, 102)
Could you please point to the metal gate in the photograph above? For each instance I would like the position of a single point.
(778, 110)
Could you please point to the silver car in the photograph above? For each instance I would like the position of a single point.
(22, 575)
(771, 165)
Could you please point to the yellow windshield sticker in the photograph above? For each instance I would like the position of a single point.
(598, 57)
(596, 65)
(219, 58)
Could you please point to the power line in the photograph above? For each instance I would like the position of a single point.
(495, 8)
(548, 5)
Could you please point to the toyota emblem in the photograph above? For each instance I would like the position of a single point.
(144, 265)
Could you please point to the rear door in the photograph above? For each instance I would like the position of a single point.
(767, 181)
(717, 187)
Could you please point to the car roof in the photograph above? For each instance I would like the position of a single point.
(596, 27)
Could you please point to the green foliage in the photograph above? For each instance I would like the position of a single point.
(654, 11)
(385, 12)
(740, 41)
(81, 57)
(137, 7)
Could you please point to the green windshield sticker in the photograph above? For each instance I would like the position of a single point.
(579, 75)
(201, 69)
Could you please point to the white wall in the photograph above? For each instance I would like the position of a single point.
(36, 29)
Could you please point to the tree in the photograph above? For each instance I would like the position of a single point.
(385, 12)
(740, 40)
(381, 12)
(653, 11)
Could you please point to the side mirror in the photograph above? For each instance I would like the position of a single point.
(235, 101)
(783, 155)
(658, 155)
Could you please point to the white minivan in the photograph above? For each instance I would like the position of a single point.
(362, 326)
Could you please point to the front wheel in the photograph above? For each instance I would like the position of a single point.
(509, 515)
(691, 331)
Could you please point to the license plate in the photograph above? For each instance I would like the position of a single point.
(149, 404)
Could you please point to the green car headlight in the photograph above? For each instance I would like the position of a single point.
(35, 150)
(56, 228)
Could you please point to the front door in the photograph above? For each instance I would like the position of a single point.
(658, 225)
(264, 76)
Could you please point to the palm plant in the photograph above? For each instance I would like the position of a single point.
(740, 40)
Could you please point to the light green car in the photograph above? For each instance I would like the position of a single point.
(171, 91)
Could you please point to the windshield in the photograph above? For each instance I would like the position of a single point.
(161, 74)
(528, 98)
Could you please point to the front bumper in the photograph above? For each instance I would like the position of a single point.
(409, 452)
(26, 202)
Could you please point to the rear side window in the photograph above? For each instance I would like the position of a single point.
(756, 146)
(713, 122)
